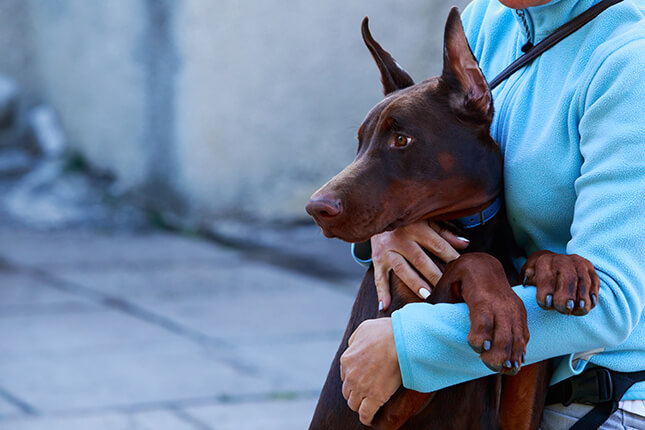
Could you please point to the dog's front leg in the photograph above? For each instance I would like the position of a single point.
(498, 327)
(332, 411)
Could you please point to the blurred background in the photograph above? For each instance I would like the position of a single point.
(157, 268)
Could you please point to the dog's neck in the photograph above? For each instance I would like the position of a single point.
(494, 237)
(480, 216)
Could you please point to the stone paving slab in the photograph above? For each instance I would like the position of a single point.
(148, 286)
(256, 302)
(275, 317)
(7, 408)
(83, 249)
(273, 415)
(87, 330)
(96, 329)
(288, 326)
(164, 373)
(294, 366)
(22, 294)
(155, 420)
(288, 242)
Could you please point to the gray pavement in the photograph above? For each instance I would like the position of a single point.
(160, 331)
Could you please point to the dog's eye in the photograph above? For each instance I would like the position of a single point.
(401, 140)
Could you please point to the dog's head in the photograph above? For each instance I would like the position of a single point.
(424, 151)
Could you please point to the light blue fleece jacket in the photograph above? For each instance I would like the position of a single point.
(572, 129)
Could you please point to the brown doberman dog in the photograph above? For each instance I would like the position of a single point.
(425, 153)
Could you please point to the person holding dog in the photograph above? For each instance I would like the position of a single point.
(571, 125)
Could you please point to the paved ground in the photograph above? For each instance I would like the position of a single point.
(159, 331)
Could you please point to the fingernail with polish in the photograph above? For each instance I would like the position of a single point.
(526, 278)
(463, 239)
(486, 345)
(516, 365)
(423, 292)
(570, 304)
(507, 364)
(523, 357)
(380, 305)
(581, 304)
(549, 300)
(593, 299)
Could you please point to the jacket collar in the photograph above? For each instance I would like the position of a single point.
(543, 20)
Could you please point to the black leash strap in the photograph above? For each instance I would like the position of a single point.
(598, 386)
(552, 39)
(621, 382)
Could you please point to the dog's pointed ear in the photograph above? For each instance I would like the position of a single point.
(470, 93)
(393, 76)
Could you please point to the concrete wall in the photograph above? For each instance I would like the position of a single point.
(90, 58)
(220, 107)
(17, 59)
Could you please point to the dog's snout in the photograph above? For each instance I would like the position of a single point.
(324, 207)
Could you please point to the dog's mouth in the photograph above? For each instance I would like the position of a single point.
(356, 234)
(398, 222)
(328, 233)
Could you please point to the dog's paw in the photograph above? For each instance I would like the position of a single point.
(499, 333)
(498, 327)
(566, 283)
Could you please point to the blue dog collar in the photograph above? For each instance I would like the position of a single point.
(480, 218)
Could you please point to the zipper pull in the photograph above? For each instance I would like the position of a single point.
(527, 47)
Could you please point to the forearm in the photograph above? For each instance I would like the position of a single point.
(433, 352)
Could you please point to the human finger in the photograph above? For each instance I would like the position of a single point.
(367, 409)
(459, 243)
(433, 241)
(382, 281)
(409, 277)
(354, 401)
(420, 261)
(346, 390)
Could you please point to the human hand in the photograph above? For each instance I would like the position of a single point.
(369, 368)
(402, 249)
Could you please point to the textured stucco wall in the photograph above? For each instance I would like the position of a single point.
(220, 107)
(90, 61)
(17, 59)
(270, 94)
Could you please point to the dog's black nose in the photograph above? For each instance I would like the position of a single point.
(324, 207)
